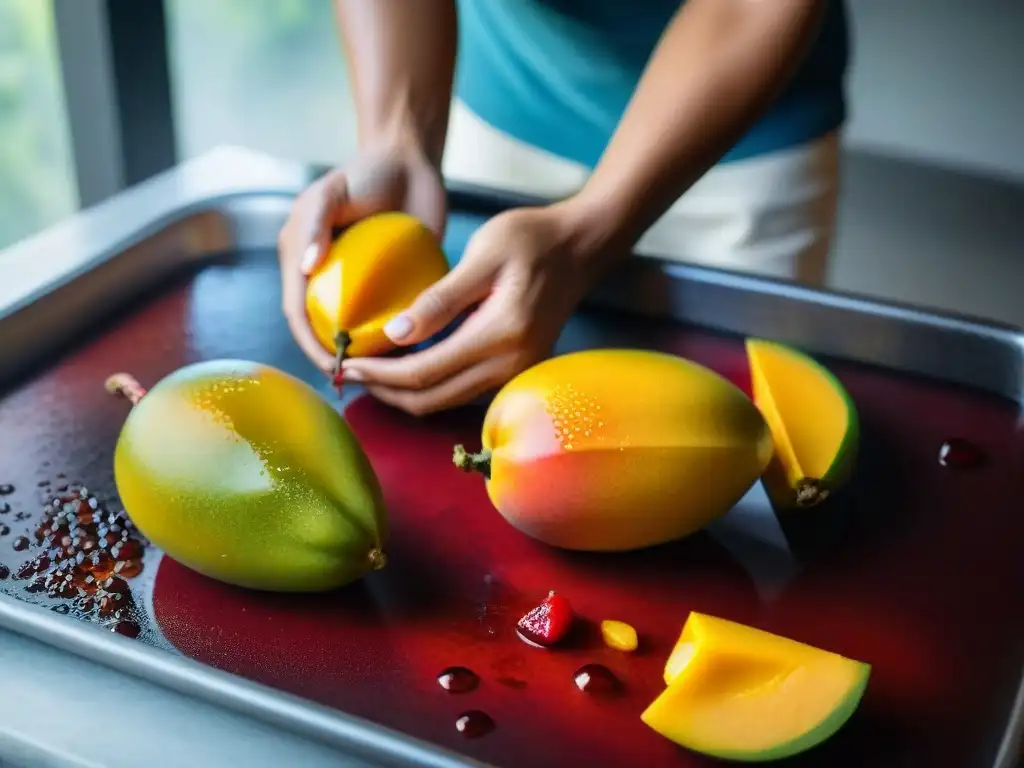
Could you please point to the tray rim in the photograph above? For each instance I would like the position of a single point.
(233, 183)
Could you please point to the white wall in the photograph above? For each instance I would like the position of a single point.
(941, 81)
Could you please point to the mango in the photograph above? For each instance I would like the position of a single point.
(246, 475)
(813, 420)
(740, 693)
(619, 635)
(373, 271)
(618, 449)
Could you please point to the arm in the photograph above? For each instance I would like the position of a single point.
(401, 61)
(719, 64)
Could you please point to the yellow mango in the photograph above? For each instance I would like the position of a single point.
(813, 420)
(740, 693)
(619, 635)
(374, 269)
(618, 449)
(245, 474)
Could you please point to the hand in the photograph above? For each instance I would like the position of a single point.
(391, 178)
(528, 269)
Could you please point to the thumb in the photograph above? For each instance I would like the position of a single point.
(439, 304)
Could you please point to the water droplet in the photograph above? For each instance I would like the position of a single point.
(458, 680)
(596, 679)
(960, 454)
(474, 724)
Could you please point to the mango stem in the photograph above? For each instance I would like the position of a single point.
(377, 558)
(472, 462)
(125, 385)
(341, 344)
(809, 492)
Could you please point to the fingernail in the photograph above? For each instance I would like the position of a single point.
(309, 258)
(398, 327)
(350, 374)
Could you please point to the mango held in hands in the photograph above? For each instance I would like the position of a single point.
(618, 449)
(245, 474)
(375, 269)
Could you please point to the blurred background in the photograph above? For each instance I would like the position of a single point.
(935, 143)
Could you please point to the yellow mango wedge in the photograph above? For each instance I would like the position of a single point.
(813, 421)
(374, 269)
(740, 693)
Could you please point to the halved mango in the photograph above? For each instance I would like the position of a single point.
(813, 421)
(740, 693)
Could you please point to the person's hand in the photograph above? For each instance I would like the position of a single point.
(527, 269)
(393, 178)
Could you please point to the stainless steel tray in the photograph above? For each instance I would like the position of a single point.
(66, 278)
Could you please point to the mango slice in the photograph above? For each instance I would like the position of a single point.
(618, 449)
(373, 271)
(619, 635)
(813, 420)
(740, 693)
(245, 474)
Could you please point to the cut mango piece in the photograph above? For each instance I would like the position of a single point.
(619, 635)
(813, 421)
(740, 693)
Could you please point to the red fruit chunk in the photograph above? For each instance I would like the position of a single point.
(548, 623)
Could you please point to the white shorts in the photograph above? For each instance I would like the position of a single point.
(771, 215)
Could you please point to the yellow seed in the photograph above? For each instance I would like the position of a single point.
(619, 635)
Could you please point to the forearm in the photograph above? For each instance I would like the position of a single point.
(718, 66)
(401, 61)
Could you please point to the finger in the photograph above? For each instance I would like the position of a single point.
(293, 289)
(461, 389)
(331, 208)
(470, 344)
(468, 283)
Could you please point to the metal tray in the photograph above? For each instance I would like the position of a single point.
(58, 285)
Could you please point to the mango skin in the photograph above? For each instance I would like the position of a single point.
(612, 450)
(245, 474)
(374, 269)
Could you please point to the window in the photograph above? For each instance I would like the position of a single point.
(37, 180)
(265, 74)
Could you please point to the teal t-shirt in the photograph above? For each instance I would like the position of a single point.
(558, 74)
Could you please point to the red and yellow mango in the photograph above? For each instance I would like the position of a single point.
(618, 449)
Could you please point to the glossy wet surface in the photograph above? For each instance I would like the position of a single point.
(915, 569)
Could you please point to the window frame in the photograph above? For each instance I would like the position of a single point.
(117, 90)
